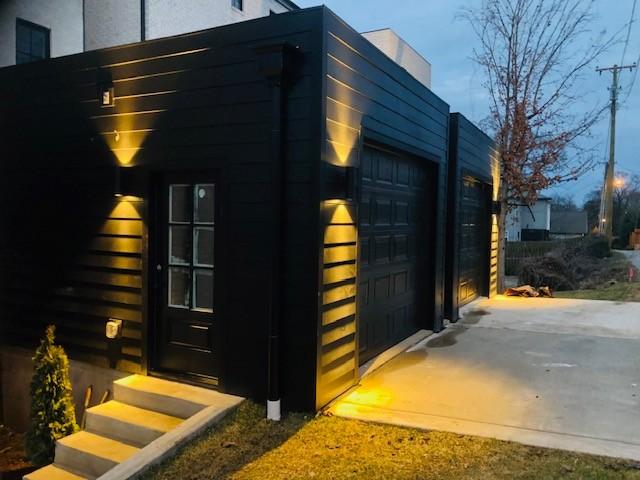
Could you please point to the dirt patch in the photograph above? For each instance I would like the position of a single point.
(13, 461)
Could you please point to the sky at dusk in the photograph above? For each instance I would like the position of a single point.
(433, 27)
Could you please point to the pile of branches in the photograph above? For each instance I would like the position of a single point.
(585, 266)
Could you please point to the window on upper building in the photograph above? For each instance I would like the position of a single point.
(237, 4)
(32, 42)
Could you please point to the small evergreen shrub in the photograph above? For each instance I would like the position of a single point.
(52, 411)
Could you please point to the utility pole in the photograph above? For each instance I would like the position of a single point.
(605, 225)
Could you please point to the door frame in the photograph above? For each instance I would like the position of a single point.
(153, 283)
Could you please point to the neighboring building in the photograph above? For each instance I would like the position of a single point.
(527, 223)
(37, 29)
(634, 239)
(402, 53)
(569, 224)
(242, 209)
(118, 22)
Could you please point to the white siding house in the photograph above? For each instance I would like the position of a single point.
(117, 22)
(529, 222)
(73, 26)
(60, 19)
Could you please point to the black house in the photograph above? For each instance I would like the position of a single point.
(261, 206)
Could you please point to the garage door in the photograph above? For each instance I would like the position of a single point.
(474, 238)
(393, 213)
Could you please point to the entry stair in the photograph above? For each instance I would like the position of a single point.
(143, 409)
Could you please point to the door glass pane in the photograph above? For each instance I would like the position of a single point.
(204, 203)
(179, 205)
(203, 290)
(179, 245)
(203, 246)
(179, 287)
(23, 39)
(38, 44)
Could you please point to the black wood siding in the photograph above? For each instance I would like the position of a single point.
(471, 153)
(368, 96)
(72, 255)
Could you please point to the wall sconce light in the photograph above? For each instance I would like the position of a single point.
(128, 182)
(340, 183)
(117, 187)
(105, 92)
(496, 207)
(106, 97)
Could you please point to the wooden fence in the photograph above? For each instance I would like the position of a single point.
(518, 252)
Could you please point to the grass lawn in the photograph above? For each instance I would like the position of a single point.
(245, 446)
(620, 292)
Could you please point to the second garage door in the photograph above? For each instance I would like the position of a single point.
(474, 217)
(394, 218)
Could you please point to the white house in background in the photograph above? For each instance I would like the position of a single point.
(36, 29)
(402, 53)
(529, 222)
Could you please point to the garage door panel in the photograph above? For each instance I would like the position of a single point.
(389, 228)
(474, 218)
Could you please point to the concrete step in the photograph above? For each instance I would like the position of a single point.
(171, 398)
(53, 472)
(126, 423)
(91, 454)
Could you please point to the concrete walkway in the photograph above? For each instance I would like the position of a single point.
(546, 372)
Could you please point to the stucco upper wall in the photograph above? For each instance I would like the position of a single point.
(402, 53)
(111, 22)
(174, 17)
(118, 22)
(62, 17)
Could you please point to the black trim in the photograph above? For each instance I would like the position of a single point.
(143, 20)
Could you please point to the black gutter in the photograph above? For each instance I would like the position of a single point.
(274, 62)
(84, 27)
(143, 20)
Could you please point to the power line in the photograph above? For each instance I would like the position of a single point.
(624, 51)
(626, 43)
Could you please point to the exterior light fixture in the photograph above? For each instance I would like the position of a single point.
(128, 182)
(117, 187)
(340, 182)
(106, 97)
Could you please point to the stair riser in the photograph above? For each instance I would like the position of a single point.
(79, 461)
(136, 435)
(176, 407)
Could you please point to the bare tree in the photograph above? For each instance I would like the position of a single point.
(534, 54)
(563, 203)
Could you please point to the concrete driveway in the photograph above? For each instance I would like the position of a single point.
(547, 372)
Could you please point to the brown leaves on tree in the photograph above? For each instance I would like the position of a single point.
(534, 54)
